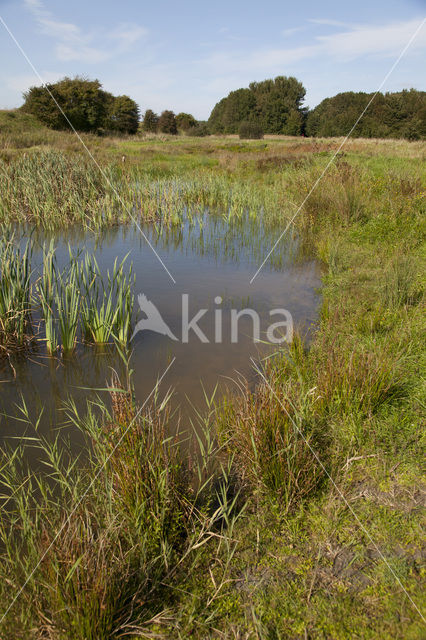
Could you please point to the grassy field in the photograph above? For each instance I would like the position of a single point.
(302, 515)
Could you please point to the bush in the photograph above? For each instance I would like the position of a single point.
(82, 101)
(150, 121)
(87, 107)
(251, 131)
(167, 123)
(200, 131)
(123, 115)
(185, 121)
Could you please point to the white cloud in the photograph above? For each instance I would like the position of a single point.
(365, 40)
(354, 42)
(290, 32)
(72, 44)
(70, 52)
(127, 34)
(328, 22)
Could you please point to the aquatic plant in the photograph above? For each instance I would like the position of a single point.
(46, 288)
(76, 300)
(106, 307)
(15, 294)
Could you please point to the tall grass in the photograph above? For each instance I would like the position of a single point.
(46, 293)
(68, 301)
(273, 430)
(15, 295)
(106, 308)
(75, 303)
(97, 549)
(399, 282)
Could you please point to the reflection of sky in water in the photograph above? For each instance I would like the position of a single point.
(208, 258)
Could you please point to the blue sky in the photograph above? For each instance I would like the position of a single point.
(187, 55)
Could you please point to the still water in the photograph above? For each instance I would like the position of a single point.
(209, 258)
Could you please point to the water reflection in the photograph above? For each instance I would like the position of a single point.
(208, 256)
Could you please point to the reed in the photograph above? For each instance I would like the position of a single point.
(75, 301)
(15, 295)
(107, 307)
(108, 540)
(46, 288)
(68, 300)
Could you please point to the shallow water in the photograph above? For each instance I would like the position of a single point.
(207, 257)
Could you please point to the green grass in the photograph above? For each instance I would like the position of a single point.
(326, 545)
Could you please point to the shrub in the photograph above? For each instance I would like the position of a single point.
(185, 121)
(150, 121)
(251, 131)
(123, 115)
(200, 131)
(167, 123)
(85, 105)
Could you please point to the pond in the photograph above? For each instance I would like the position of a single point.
(212, 261)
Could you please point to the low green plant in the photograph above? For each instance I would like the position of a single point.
(72, 301)
(276, 442)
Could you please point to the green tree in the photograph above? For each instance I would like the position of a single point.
(294, 123)
(231, 111)
(150, 121)
(215, 121)
(123, 115)
(239, 108)
(185, 121)
(167, 122)
(275, 105)
(277, 101)
(83, 102)
(390, 115)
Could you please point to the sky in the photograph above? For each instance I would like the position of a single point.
(187, 55)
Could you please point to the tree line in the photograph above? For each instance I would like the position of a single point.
(391, 115)
(170, 123)
(273, 106)
(276, 107)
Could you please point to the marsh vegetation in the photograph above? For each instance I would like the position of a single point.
(294, 508)
(61, 305)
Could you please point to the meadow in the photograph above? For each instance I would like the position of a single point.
(295, 511)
